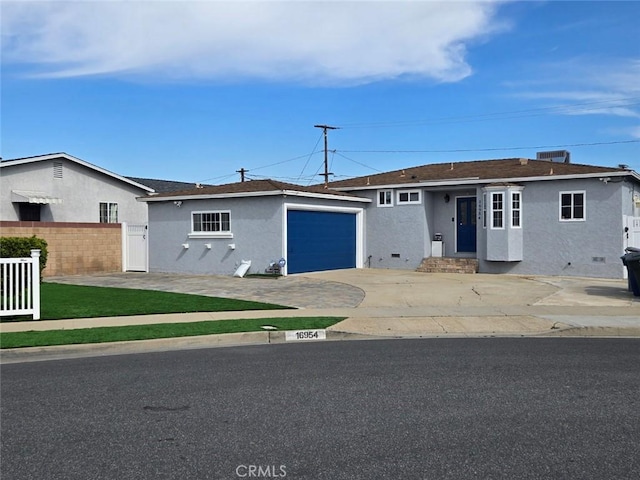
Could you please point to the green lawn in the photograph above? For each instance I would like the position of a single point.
(162, 330)
(60, 301)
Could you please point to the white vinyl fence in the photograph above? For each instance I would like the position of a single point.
(20, 286)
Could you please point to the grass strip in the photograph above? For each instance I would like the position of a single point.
(158, 330)
(61, 301)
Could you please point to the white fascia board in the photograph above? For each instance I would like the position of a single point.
(270, 193)
(71, 158)
(475, 181)
(326, 196)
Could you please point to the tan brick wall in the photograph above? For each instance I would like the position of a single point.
(74, 248)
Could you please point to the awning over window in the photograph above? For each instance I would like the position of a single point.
(27, 196)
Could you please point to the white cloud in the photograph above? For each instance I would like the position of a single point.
(590, 87)
(312, 42)
(635, 131)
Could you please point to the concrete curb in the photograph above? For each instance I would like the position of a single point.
(573, 331)
(60, 352)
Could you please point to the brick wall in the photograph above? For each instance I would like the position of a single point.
(74, 248)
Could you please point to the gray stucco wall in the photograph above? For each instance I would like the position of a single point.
(256, 223)
(551, 247)
(256, 226)
(80, 188)
(400, 236)
(395, 236)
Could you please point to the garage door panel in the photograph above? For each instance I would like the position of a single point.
(318, 241)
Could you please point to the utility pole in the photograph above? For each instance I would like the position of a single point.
(326, 162)
(242, 171)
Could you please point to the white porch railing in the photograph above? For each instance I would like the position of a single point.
(20, 287)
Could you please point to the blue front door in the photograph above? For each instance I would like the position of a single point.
(466, 224)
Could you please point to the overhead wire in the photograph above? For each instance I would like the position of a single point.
(567, 108)
(530, 147)
(310, 155)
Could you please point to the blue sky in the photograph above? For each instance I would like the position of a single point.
(194, 91)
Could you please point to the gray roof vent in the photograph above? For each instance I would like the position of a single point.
(560, 156)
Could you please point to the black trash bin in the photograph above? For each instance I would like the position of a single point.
(631, 260)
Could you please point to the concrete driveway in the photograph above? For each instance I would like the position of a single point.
(380, 288)
(375, 303)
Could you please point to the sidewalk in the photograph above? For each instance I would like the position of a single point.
(380, 303)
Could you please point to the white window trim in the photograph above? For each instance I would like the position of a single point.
(385, 204)
(492, 211)
(221, 234)
(484, 210)
(409, 202)
(584, 206)
(511, 209)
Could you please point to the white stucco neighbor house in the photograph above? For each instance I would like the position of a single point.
(75, 206)
(542, 216)
(61, 188)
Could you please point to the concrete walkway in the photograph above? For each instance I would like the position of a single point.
(388, 303)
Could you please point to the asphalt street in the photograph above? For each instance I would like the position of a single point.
(401, 409)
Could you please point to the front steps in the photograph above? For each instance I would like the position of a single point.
(448, 265)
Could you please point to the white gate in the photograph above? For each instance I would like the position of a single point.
(20, 287)
(135, 248)
(632, 232)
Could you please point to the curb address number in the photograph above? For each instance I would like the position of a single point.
(298, 335)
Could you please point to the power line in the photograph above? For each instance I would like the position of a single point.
(309, 157)
(458, 150)
(258, 168)
(568, 108)
(355, 161)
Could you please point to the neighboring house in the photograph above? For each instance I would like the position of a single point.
(517, 215)
(163, 186)
(61, 188)
(80, 209)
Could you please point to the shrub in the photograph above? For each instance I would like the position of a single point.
(20, 247)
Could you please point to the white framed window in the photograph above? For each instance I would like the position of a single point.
(385, 198)
(108, 212)
(406, 197)
(211, 224)
(516, 210)
(572, 206)
(497, 210)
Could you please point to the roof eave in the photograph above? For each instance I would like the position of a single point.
(476, 180)
(71, 158)
(270, 193)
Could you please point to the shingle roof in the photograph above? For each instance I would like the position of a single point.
(251, 186)
(163, 186)
(479, 169)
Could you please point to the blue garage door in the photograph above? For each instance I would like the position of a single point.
(320, 241)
